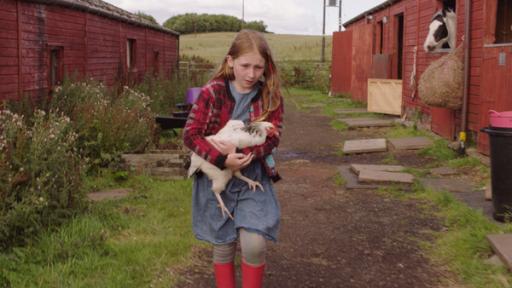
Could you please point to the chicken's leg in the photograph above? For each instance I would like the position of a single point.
(222, 206)
(252, 184)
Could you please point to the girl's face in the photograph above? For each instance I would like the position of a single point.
(248, 68)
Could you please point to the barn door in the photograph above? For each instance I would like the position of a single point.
(362, 42)
(341, 68)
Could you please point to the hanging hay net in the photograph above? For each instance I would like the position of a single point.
(442, 83)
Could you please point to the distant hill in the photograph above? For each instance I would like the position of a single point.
(214, 46)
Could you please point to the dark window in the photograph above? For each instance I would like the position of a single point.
(56, 66)
(130, 54)
(504, 22)
(400, 44)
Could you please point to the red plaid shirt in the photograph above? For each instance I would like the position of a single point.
(212, 110)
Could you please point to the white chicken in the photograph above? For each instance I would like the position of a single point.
(241, 136)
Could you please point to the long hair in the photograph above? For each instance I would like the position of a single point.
(247, 41)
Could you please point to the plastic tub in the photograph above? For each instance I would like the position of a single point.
(500, 119)
(192, 94)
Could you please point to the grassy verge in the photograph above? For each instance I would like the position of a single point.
(460, 246)
(125, 243)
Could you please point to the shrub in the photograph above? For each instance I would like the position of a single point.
(308, 75)
(107, 125)
(40, 175)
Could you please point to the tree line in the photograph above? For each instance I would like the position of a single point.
(201, 23)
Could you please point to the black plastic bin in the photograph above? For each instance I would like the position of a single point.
(501, 171)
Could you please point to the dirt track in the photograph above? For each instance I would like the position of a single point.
(331, 237)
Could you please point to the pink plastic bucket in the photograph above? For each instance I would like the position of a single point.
(500, 119)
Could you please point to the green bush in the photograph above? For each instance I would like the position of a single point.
(204, 23)
(107, 124)
(307, 75)
(40, 175)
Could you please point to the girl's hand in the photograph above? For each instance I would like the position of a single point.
(237, 161)
(224, 147)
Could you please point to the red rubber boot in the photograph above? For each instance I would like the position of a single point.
(252, 276)
(224, 275)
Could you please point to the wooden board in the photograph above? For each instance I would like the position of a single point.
(385, 96)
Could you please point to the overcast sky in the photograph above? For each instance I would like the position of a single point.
(281, 16)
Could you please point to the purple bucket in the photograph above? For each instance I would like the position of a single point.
(192, 94)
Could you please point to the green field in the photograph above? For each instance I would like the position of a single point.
(214, 46)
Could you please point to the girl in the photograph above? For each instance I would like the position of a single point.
(245, 87)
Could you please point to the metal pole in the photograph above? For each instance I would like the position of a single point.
(322, 59)
(339, 19)
(243, 12)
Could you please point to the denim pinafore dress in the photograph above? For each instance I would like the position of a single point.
(256, 211)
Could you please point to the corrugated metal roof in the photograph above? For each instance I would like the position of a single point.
(107, 10)
(370, 11)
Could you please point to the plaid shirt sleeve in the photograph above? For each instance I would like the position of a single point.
(194, 132)
(261, 151)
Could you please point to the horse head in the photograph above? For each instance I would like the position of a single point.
(442, 29)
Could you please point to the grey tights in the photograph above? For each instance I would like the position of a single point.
(253, 247)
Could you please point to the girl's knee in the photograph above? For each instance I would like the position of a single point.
(253, 247)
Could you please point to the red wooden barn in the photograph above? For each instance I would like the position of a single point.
(42, 40)
(387, 42)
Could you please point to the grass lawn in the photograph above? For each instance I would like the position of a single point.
(125, 243)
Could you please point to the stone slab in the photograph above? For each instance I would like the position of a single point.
(386, 177)
(348, 111)
(110, 194)
(410, 143)
(483, 159)
(351, 181)
(365, 146)
(388, 168)
(353, 123)
(447, 184)
(502, 246)
(168, 173)
(476, 200)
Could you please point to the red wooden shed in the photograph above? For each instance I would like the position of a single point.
(386, 42)
(42, 40)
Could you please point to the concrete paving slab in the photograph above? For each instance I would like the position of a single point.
(110, 194)
(388, 168)
(385, 177)
(502, 246)
(353, 123)
(348, 111)
(474, 153)
(351, 179)
(447, 184)
(365, 146)
(476, 200)
(443, 171)
(410, 143)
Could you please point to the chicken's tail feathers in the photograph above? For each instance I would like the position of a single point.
(194, 165)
